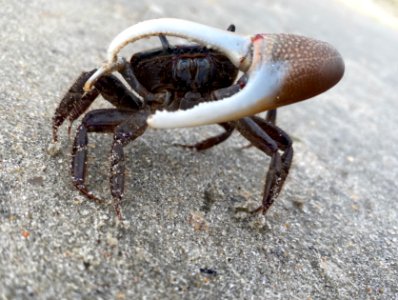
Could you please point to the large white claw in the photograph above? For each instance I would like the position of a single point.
(281, 69)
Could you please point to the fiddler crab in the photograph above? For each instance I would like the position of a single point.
(195, 85)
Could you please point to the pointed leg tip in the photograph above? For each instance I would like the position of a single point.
(53, 148)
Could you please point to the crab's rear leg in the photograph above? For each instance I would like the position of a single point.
(270, 139)
(271, 116)
(284, 143)
(229, 127)
(212, 141)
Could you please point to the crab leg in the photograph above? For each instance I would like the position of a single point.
(281, 69)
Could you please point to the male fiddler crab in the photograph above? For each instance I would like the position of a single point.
(194, 85)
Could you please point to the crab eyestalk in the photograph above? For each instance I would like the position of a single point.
(281, 69)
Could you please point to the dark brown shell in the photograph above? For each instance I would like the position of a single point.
(183, 69)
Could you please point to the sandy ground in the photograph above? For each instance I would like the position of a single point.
(332, 234)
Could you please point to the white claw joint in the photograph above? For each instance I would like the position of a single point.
(281, 68)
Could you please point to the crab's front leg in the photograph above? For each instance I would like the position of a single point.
(76, 101)
(281, 68)
(126, 125)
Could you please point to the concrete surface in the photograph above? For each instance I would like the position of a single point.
(332, 234)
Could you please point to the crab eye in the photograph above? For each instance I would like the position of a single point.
(183, 70)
